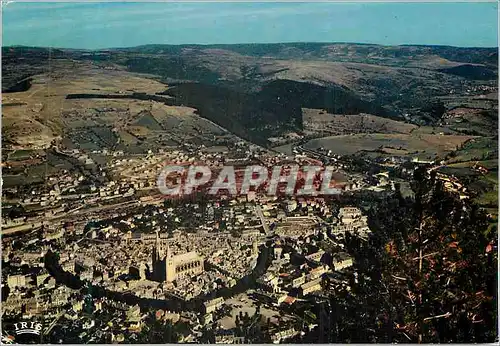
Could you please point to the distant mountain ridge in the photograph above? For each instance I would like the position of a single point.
(303, 50)
(258, 91)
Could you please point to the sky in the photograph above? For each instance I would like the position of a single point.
(125, 24)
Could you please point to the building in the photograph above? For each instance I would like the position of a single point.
(343, 261)
(133, 314)
(268, 282)
(282, 335)
(311, 286)
(16, 281)
(206, 319)
(349, 214)
(297, 282)
(32, 306)
(213, 305)
(41, 277)
(168, 267)
(316, 257)
(317, 272)
(224, 336)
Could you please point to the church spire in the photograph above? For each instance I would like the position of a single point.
(158, 249)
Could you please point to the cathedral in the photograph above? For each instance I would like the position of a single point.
(168, 267)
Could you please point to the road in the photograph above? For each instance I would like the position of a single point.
(74, 215)
(47, 331)
(259, 213)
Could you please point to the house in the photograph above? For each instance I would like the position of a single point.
(282, 335)
(311, 286)
(133, 314)
(16, 281)
(342, 261)
(316, 257)
(213, 305)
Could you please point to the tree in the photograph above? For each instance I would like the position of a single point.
(158, 332)
(438, 270)
(427, 273)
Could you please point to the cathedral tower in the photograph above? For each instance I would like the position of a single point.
(170, 266)
(158, 249)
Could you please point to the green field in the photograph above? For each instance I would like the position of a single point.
(422, 146)
(481, 148)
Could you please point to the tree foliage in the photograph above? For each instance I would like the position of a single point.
(428, 274)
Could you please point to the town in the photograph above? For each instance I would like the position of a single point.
(247, 173)
(198, 261)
